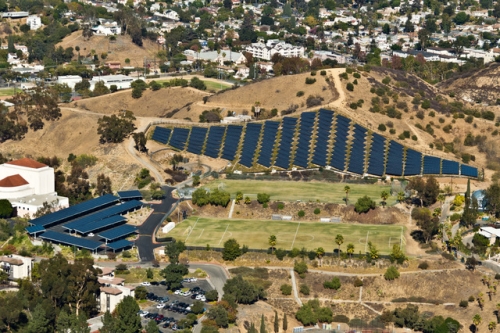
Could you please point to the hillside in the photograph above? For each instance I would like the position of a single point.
(118, 50)
(475, 87)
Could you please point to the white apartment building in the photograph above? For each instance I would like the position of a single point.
(112, 290)
(18, 267)
(121, 81)
(266, 51)
(34, 21)
(70, 80)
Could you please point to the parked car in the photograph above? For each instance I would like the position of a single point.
(145, 284)
(143, 313)
(160, 306)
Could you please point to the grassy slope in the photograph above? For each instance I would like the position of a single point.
(255, 234)
(292, 191)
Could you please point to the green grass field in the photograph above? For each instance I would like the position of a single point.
(255, 234)
(215, 86)
(292, 191)
(8, 91)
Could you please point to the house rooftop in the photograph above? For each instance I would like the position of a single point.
(13, 181)
(27, 163)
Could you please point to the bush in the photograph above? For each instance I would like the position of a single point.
(471, 299)
(341, 319)
(300, 267)
(391, 273)
(381, 127)
(426, 104)
(313, 73)
(357, 75)
(448, 256)
(386, 80)
(364, 204)
(317, 211)
(349, 70)
(113, 88)
(314, 101)
(497, 276)
(281, 205)
(323, 73)
(301, 213)
(353, 106)
(358, 282)
(355, 81)
(286, 289)
(350, 87)
(280, 253)
(423, 265)
(300, 93)
(136, 93)
(304, 289)
(333, 284)
(463, 304)
(310, 80)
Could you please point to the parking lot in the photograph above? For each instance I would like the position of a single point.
(175, 316)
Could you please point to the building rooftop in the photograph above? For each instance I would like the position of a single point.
(27, 163)
(111, 290)
(13, 181)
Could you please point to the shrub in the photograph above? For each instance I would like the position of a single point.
(463, 304)
(323, 73)
(392, 131)
(497, 276)
(313, 73)
(314, 100)
(414, 138)
(382, 128)
(113, 88)
(317, 211)
(350, 87)
(357, 75)
(358, 282)
(126, 254)
(286, 289)
(333, 284)
(386, 80)
(341, 319)
(300, 267)
(300, 93)
(471, 299)
(304, 289)
(391, 273)
(364, 204)
(344, 76)
(423, 265)
(280, 254)
(353, 106)
(448, 256)
(355, 81)
(420, 115)
(310, 80)
(301, 213)
(281, 205)
(426, 104)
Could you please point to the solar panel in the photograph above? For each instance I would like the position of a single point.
(233, 135)
(35, 229)
(250, 142)
(432, 165)
(75, 211)
(122, 243)
(340, 146)
(395, 159)
(100, 224)
(197, 140)
(161, 134)
(268, 141)
(70, 240)
(214, 141)
(323, 137)
(179, 138)
(357, 158)
(450, 167)
(118, 232)
(376, 161)
(466, 170)
(129, 195)
(305, 133)
(285, 147)
(413, 164)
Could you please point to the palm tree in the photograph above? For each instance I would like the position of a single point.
(401, 196)
(272, 242)
(350, 249)
(384, 195)
(346, 190)
(320, 252)
(492, 325)
(339, 239)
(476, 320)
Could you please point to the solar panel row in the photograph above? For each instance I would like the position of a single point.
(323, 136)
(305, 132)
(122, 243)
(376, 161)
(413, 163)
(214, 141)
(450, 167)
(357, 157)
(100, 224)
(250, 142)
(66, 239)
(118, 232)
(432, 165)
(161, 134)
(466, 170)
(285, 147)
(395, 159)
(233, 135)
(268, 141)
(340, 146)
(179, 138)
(197, 140)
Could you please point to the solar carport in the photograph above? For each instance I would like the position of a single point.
(66, 239)
(129, 195)
(117, 233)
(35, 229)
(118, 245)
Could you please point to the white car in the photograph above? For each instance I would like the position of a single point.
(203, 299)
(160, 306)
(91, 235)
(199, 296)
(193, 279)
(187, 293)
(143, 313)
(145, 284)
(178, 292)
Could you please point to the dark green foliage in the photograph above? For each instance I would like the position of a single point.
(317, 211)
(391, 273)
(364, 204)
(280, 253)
(286, 289)
(243, 291)
(311, 313)
(263, 198)
(300, 267)
(382, 128)
(216, 197)
(197, 84)
(140, 292)
(115, 128)
(173, 275)
(136, 93)
(463, 304)
(153, 85)
(198, 307)
(212, 295)
(301, 213)
(350, 87)
(5, 208)
(310, 80)
(231, 250)
(304, 289)
(333, 284)
(219, 314)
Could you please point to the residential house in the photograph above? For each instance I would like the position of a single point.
(18, 267)
(112, 290)
(34, 21)
(266, 51)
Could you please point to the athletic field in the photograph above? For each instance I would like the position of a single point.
(292, 191)
(255, 234)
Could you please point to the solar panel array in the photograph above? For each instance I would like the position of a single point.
(197, 140)
(179, 138)
(214, 141)
(223, 141)
(118, 232)
(70, 240)
(120, 244)
(376, 161)
(250, 142)
(101, 224)
(395, 159)
(357, 159)
(432, 165)
(285, 147)
(325, 118)
(268, 141)
(340, 146)
(161, 134)
(305, 133)
(413, 163)
(233, 135)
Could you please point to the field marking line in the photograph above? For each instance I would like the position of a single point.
(191, 230)
(401, 240)
(223, 234)
(202, 230)
(296, 231)
(366, 242)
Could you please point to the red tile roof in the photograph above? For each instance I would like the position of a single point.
(13, 181)
(28, 163)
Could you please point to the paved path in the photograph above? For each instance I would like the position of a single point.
(232, 209)
(294, 288)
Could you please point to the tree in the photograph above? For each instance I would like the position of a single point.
(391, 273)
(243, 291)
(247, 33)
(276, 322)
(386, 29)
(272, 242)
(339, 239)
(492, 197)
(350, 249)
(461, 18)
(39, 323)
(496, 10)
(346, 190)
(151, 327)
(401, 196)
(262, 325)
(285, 323)
(219, 314)
(364, 204)
(384, 195)
(100, 89)
(492, 326)
(423, 37)
(140, 140)
(373, 253)
(136, 93)
(263, 198)
(197, 84)
(174, 274)
(231, 250)
(320, 252)
(426, 222)
(103, 185)
(140, 292)
(476, 320)
(115, 128)
(5, 208)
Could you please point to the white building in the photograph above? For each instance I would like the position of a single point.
(107, 29)
(121, 81)
(18, 267)
(112, 290)
(266, 51)
(491, 233)
(34, 21)
(27, 184)
(70, 80)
